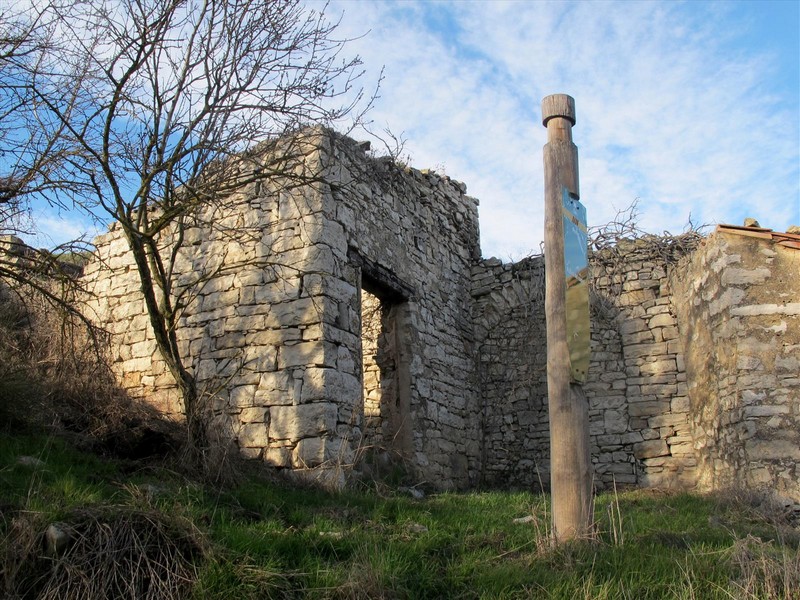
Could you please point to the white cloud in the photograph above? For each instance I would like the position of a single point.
(52, 229)
(670, 110)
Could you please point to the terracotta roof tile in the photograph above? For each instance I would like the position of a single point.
(789, 240)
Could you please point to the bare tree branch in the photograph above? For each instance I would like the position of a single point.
(145, 111)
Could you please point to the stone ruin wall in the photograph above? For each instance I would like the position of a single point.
(272, 328)
(695, 361)
(414, 236)
(638, 404)
(452, 378)
(508, 315)
(740, 320)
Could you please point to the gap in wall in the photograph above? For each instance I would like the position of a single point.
(380, 354)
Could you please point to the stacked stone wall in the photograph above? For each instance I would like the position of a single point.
(638, 400)
(638, 404)
(740, 321)
(251, 326)
(511, 356)
(378, 369)
(271, 319)
(694, 360)
(414, 236)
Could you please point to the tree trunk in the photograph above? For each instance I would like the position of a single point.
(161, 321)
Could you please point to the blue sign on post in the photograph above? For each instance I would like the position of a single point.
(576, 266)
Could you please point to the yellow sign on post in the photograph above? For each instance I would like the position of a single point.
(576, 267)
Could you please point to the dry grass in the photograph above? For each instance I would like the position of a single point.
(767, 565)
(766, 570)
(53, 373)
(108, 553)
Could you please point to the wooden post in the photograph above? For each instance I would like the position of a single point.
(570, 479)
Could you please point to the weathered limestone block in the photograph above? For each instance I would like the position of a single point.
(257, 414)
(286, 288)
(662, 320)
(775, 449)
(666, 420)
(253, 435)
(789, 364)
(649, 408)
(329, 384)
(242, 396)
(631, 438)
(788, 309)
(766, 410)
(316, 451)
(734, 276)
(615, 421)
(651, 449)
(311, 354)
(646, 350)
(307, 420)
(280, 456)
(658, 367)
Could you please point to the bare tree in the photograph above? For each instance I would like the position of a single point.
(32, 150)
(150, 108)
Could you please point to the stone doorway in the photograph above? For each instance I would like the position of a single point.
(385, 379)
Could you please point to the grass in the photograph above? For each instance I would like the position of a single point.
(265, 540)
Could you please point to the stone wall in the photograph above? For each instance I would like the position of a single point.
(740, 321)
(252, 323)
(352, 319)
(271, 282)
(508, 313)
(639, 406)
(410, 239)
(636, 387)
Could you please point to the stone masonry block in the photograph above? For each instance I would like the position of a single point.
(648, 409)
(302, 311)
(280, 456)
(629, 326)
(312, 452)
(734, 276)
(615, 421)
(297, 422)
(242, 396)
(253, 435)
(257, 414)
(658, 367)
(668, 420)
(759, 449)
(645, 350)
(766, 410)
(329, 384)
(275, 381)
(312, 354)
(662, 320)
(650, 449)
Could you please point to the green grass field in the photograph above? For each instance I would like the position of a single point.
(266, 540)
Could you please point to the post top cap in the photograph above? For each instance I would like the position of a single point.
(558, 105)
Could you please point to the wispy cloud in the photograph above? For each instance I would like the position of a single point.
(676, 107)
(671, 108)
(52, 229)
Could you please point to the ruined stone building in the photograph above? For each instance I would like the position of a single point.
(353, 321)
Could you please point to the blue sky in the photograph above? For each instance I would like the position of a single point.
(693, 108)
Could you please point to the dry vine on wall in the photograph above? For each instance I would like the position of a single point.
(612, 247)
